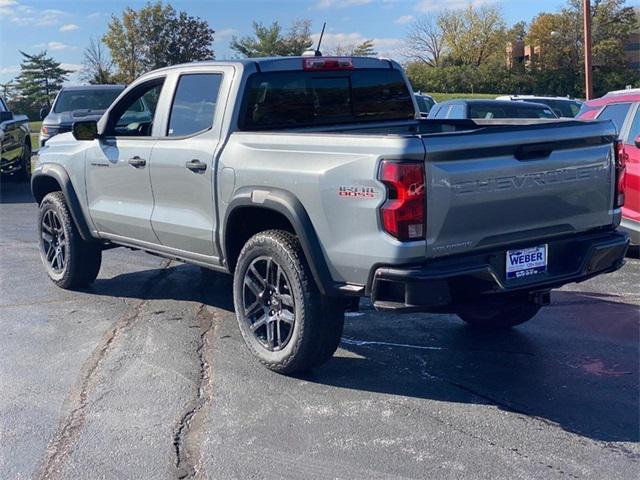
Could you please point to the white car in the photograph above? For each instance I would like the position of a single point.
(564, 107)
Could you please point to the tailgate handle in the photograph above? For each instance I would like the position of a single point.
(534, 151)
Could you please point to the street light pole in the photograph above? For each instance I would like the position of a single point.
(588, 81)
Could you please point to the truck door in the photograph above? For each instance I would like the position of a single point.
(183, 161)
(117, 166)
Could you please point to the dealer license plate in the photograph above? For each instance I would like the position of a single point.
(526, 262)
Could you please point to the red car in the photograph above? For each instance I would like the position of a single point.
(623, 109)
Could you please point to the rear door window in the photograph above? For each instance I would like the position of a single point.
(194, 104)
(617, 113)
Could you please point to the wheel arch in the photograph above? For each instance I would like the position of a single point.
(53, 178)
(286, 212)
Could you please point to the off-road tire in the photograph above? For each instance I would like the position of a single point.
(503, 316)
(318, 321)
(82, 259)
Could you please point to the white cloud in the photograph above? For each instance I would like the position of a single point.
(74, 67)
(25, 15)
(426, 6)
(9, 70)
(324, 4)
(404, 19)
(52, 46)
(225, 33)
(386, 47)
(97, 15)
(68, 27)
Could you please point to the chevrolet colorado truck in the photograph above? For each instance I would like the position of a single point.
(313, 181)
(15, 142)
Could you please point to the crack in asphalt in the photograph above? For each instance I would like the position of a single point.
(70, 427)
(522, 413)
(190, 429)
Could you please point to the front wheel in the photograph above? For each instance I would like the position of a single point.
(282, 316)
(506, 315)
(70, 261)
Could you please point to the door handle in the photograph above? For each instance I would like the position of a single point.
(196, 165)
(137, 162)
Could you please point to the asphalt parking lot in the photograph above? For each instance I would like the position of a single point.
(144, 375)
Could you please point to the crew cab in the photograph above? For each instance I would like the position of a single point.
(313, 181)
(15, 141)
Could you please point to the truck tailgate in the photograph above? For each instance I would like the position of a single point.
(512, 185)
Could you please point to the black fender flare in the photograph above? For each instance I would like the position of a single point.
(41, 185)
(291, 208)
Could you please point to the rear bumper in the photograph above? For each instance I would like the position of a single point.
(632, 227)
(442, 284)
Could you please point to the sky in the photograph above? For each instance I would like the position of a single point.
(64, 27)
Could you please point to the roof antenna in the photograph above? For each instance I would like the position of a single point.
(318, 52)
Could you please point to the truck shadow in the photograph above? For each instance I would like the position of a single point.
(575, 365)
(14, 191)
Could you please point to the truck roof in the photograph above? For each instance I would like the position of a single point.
(287, 63)
(93, 87)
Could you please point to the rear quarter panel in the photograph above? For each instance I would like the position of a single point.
(335, 179)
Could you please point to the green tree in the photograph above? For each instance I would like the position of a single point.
(40, 79)
(270, 41)
(474, 35)
(98, 67)
(156, 36)
(365, 49)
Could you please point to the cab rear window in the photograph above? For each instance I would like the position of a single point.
(298, 99)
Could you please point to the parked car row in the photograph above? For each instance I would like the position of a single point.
(80, 103)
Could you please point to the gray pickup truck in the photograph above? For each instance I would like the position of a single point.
(15, 143)
(313, 181)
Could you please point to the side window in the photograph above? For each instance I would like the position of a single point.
(194, 104)
(456, 112)
(635, 129)
(442, 113)
(133, 115)
(3, 107)
(616, 113)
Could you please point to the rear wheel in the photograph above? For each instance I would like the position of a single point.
(506, 314)
(70, 261)
(283, 318)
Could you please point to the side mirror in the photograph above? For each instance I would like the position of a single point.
(637, 141)
(85, 130)
(44, 111)
(5, 116)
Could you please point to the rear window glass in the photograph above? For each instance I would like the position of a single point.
(508, 110)
(562, 108)
(304, 99)
(616, 113)
(90, 99)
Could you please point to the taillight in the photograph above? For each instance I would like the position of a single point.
(327, 63)
(620, 167)
(403, 214)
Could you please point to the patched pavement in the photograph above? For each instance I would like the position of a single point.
(144, 375)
